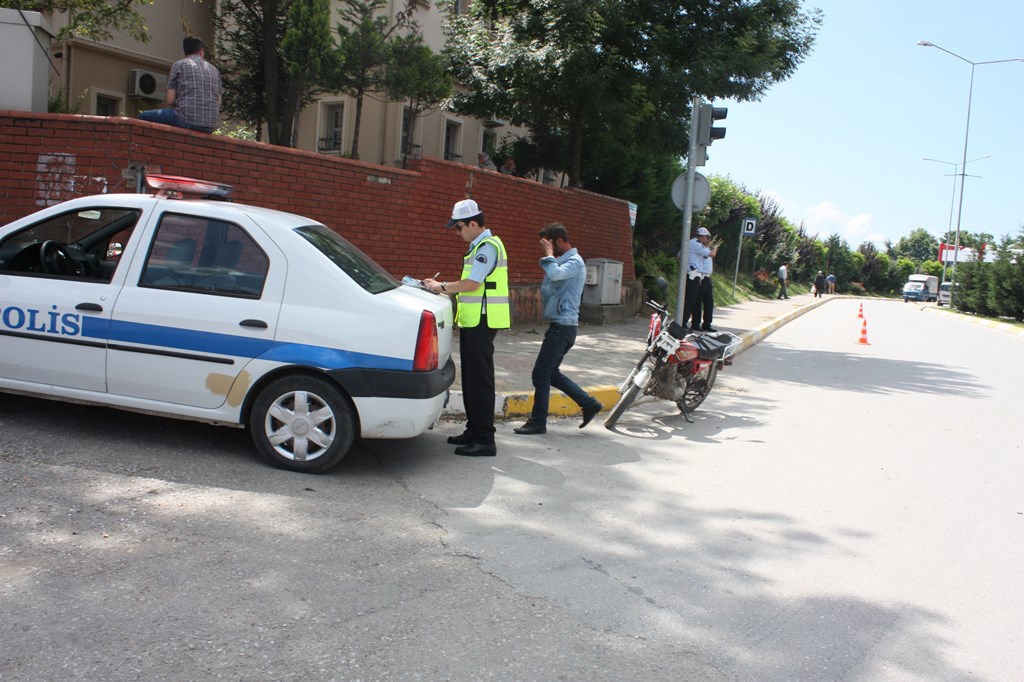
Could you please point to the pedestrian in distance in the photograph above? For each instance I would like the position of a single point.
(819, 284)
(482, 309)
(561, 291)
(831, 279)
(193, 91)
(783, 275)
(695, 272)
(704, 306)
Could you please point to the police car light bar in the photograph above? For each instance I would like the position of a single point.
(175, 185)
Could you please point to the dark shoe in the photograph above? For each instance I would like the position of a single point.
(708, 328)
(530, 428)
(589, 412)
(477, 450)
(462, 439)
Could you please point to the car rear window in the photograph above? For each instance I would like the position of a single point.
(363, 270)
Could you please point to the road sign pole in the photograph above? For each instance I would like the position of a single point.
(691, 170)
(739, 252)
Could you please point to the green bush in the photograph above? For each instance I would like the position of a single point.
(765, 282)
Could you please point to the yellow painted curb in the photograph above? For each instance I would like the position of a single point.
(521, 404)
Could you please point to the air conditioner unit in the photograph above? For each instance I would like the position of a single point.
(142, 83)
(494, 122)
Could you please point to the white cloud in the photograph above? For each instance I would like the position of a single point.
(779, 200)
(826, 219)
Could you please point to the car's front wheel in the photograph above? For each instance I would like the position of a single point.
(302, 423)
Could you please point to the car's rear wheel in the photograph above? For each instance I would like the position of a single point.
(302, 423)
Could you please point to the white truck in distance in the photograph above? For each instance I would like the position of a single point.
(921, 288)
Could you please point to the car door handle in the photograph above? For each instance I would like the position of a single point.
(257, 324)
(90, 307)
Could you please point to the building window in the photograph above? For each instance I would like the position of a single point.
(408, 146)
(334, 126)
(490, 141)
(452, 141)
(106, 103)
(107, 106)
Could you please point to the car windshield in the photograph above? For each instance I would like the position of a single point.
(363, 270)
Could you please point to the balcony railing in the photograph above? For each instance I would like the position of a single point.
(329, 144)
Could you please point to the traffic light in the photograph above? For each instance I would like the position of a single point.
(707, 132)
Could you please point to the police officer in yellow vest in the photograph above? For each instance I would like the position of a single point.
(483, 309)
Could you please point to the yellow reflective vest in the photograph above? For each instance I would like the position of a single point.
(493, 291)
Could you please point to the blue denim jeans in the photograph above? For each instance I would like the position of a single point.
(558, 340)
(168, 117)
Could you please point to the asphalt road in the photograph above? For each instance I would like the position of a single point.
(836, 511)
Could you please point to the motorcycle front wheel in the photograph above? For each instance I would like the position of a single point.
(627, 399)
(697, 389)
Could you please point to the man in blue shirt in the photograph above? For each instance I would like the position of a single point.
(561, 291)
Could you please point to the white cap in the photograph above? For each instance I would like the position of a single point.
(703, 232)
(463, 210)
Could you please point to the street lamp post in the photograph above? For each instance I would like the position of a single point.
(952, 200)
(967, 134)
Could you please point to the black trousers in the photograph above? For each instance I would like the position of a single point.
(704, 306)
(476, 357)
(690, 299)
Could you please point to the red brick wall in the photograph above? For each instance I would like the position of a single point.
(395, 215)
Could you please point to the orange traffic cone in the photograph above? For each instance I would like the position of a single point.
(860, 313)
(864, 334)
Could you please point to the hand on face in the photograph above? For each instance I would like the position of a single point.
(548, 246)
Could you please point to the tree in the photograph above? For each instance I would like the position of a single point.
(920, 245)
(309, 58)
(365, 41)
(93, 19)
(776, 238)
(417, 75)
(276, 56)
(723, 216)
(568, 67)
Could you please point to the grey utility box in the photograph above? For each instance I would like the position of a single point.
(25, 76)
(604, 282)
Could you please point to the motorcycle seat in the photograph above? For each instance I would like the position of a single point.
(711, 346)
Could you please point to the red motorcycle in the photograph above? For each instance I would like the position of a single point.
(676, 366)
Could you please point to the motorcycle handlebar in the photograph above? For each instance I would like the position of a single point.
(661, 309)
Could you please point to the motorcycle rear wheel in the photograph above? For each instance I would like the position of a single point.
(697, 389)
(627, 399)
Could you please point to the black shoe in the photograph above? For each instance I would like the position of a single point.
(589, 412)
(530, 428)
(477, 450)
(462, 439)
(708, 328)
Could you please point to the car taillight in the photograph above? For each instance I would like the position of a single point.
(426, 357)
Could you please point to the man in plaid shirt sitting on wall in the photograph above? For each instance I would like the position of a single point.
(193, 91)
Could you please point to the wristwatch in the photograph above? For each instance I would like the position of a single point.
(444, 286)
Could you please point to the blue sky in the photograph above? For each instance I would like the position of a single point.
(841, 143)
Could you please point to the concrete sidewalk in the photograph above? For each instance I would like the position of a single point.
(603, 355)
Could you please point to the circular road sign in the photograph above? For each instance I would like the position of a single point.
(701, 191)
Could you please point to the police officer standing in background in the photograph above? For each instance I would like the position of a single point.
(695, 274)
(483, 309)
(704, 307)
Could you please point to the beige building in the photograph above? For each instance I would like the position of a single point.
(123, 77)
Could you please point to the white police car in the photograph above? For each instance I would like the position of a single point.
(223, 313)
